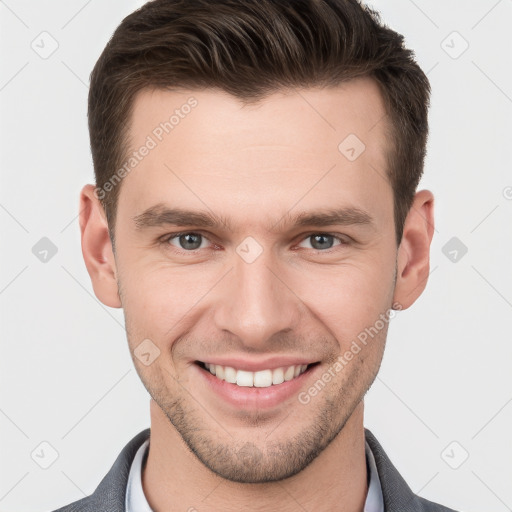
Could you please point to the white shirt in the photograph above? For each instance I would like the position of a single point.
(136, 500)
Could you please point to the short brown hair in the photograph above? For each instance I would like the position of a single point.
(251, 48)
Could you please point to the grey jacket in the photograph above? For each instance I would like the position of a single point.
(109, 496)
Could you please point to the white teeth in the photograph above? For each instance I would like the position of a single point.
(289, 373)
(259, 379)
(263, 379)
(244, 378)
(219, 371)
(230, 374)
(278, 376)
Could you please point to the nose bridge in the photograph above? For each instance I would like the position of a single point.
(256, 304)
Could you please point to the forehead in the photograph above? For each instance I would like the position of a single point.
(354, 106)
(208, 149)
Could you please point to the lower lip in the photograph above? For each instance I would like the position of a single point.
(252, 397)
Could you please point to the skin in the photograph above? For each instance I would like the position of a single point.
(254, 166)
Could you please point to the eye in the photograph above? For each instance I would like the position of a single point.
(192, 241)
(322, 241)
(189, 241)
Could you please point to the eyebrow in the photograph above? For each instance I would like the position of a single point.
(162, 215)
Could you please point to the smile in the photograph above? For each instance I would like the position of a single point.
(259, 379)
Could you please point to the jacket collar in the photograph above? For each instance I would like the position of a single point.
(111, 491)
(395, 491)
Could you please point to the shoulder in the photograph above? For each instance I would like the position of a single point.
(110, 494)
(430, 506)
(397, 495)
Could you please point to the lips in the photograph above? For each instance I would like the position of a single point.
(255, 384)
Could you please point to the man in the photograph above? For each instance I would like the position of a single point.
(255, 215)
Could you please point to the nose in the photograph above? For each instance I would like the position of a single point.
(256, 303)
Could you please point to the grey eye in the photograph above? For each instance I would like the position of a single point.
(320, 241)
(190, 241)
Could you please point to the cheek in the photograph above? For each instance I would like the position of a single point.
(347, 299)
(157, 299)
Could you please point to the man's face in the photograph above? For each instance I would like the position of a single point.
(255, 289)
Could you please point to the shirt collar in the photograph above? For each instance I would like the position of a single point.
(374, 499)
(135, 498)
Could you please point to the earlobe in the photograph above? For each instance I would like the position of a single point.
(97, 248)
(413, 262)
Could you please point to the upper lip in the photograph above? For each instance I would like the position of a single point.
(253, 365)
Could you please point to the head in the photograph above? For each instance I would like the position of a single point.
(256, 203)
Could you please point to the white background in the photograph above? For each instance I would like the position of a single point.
(66, 374)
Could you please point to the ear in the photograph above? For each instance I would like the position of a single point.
(413, 261)
(97, 248)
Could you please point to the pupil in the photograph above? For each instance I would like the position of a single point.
(322, 241)
(190, 241)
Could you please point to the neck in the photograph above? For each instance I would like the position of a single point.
(175, 479)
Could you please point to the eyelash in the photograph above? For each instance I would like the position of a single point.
(170, 236)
